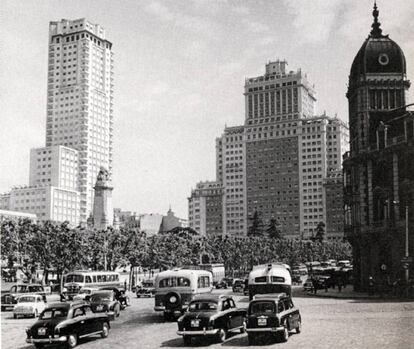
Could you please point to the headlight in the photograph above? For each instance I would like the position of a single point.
(64, 289)
(173, 299)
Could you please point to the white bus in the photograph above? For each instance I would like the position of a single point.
(174, 289)
(72, 282)
(270, 278)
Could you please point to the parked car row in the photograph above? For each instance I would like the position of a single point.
(215, 316)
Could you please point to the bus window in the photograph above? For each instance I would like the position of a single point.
(88, 279)
(278, 279)
(174, 282)
(116, 277)
(94, 278)
(203, 282)
(74, 278)
(103, 278)
(99, 278)
(260, 279)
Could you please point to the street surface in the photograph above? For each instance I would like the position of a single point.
(326, 323)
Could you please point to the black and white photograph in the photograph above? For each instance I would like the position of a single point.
(207, 173)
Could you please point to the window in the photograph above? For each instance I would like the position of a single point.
(78, 312)
(280, 306)
(203, 282)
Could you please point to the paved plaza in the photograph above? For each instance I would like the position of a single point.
(327, 323)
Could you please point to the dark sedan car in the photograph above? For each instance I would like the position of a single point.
(104, 301)
(64, 323)
(211, 315)
(147, 289)
(120, 295)
(272, 314)
(9, 299)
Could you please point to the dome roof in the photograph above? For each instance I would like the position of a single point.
(378, 54)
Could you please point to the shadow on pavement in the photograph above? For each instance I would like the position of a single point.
(149, 319)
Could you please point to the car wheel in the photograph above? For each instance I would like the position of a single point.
(38, 345)
(167, 317)
(3, 308)
(117, 310)
(187, 340)
(72, 340)
(299, 328)
(222, 335)
(105, 330)
(284, 336)
(14, 316)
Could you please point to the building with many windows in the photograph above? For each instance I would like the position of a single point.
(231, 172)
(379, 168)
(205, 208)
(80, 99)
(79, 126)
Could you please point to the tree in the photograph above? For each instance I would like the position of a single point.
(256, 227)
(273, 231)
(320, 232)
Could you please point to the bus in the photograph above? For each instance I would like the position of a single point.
(72, 282)
(217, 269)
(174, 289)
(270, 278)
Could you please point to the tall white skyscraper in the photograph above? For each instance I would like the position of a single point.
(80, 99)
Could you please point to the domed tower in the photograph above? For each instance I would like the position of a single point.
(381, 158)
(377, 84)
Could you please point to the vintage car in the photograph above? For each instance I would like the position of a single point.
(221, 284)
(64, 323)
(29, 305)
(272, 314)
(238, 285)
(104, 301)
(210, 315)
(120, 295)
(9, 299)
(147, 289)
(84, 294)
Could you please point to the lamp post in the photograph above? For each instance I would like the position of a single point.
(407, 253)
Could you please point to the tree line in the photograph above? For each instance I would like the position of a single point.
(57, 246)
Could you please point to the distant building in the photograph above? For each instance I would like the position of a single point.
(205, 208)
(231, 172)
(379, 169)
(334, 203)
(150, 224)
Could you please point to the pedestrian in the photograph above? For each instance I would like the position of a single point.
(340, 284)
(371, 285)
(314, 285)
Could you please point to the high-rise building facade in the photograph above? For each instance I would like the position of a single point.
(205, 208)
(275, 102)
(379, 169)
(231, 172)
(80, 99)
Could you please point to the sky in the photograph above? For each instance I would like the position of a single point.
(180, 68)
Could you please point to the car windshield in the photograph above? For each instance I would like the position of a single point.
(27, 299)
(84, 291)
(35, 289)
(74, 278)
(101, 297)
(262, 308)
(54, 313)
(202, 306)
(238, 282)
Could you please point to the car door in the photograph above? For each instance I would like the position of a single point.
(92, 322)
(80, 325)
(282, 314)
(237, 315)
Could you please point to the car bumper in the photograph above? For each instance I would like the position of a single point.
(198, 333)
(7, 306)
(265, 329)
(47, 340)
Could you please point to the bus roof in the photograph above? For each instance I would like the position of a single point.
(91, 272)
(183, 272)
(270, 269)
